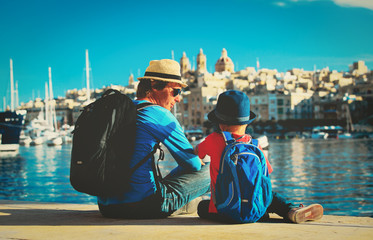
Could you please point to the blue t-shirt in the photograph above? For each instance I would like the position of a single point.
(154, 123)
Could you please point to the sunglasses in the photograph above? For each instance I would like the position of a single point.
(176, 91)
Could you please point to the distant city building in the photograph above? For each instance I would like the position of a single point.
(201, 62)
(224, 63)
(358, 68)
(184, 65)
(274, 96)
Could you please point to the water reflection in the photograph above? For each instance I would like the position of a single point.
(11, 176)
(335, 173)
(42, 175)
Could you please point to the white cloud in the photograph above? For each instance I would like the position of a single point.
(343, 3)
(355, 3)
(280, 4)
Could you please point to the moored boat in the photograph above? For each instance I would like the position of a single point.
(11, 123)
(324, 132)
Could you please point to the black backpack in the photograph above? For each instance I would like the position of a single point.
(103, 144)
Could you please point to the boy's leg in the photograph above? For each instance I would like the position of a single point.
(280, 205)
(181, 187)
(292, 212)
(203, 212)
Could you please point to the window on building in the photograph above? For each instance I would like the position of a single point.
(280, 102)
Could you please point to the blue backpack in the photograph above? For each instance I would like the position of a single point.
(243, 189)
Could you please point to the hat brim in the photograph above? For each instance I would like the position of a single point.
(213, 118)
(165, 80)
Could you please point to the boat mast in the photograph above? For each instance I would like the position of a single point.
(47, 104)
(11, 86)
(4, 104)
(350, 126)
(87, 74)
(17, 96)
(52, 105)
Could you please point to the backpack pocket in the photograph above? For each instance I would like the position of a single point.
(266, 191)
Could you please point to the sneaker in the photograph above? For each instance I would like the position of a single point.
(309, 213)
(190, 207)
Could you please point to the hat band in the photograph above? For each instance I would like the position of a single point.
(162, 75)
(231, 119)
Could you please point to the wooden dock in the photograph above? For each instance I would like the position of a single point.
(30, 220)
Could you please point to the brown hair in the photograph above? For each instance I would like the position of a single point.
(146, 85)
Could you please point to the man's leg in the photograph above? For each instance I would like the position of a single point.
(150, 207)
(181, 187)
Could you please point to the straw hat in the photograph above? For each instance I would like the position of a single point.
(164, 70)
(233, 108)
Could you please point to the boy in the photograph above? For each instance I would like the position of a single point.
(232, 114)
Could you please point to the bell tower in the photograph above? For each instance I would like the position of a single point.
(184, 64)
(201, 62)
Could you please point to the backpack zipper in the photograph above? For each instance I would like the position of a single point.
(234, 144)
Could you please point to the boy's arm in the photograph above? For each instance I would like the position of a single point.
(196, 153)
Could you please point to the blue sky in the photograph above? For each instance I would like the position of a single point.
(122, 37)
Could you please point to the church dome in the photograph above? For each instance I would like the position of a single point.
(224, 63)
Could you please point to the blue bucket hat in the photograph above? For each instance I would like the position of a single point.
(233, 108)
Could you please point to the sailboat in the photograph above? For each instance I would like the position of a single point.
(349, 124)
(52, 136)
(11, 122)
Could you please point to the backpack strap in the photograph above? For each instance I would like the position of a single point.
(143, 105)
(156, 146)
(228, 137)
(255, 142)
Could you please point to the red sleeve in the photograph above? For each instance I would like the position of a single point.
(212, 146)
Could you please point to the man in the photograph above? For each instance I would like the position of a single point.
(149, 196)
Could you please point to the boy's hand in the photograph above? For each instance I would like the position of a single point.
(196, 153)
(202, 163)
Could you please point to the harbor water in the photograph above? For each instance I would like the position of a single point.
(335, 173)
